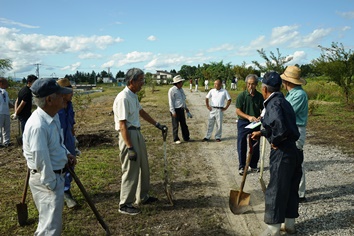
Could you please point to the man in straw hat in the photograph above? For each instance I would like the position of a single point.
(46, 154)
(298, 99)
(177, 104)
(279, 128)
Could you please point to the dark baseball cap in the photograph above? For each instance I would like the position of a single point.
(46, 86)
(272, 79)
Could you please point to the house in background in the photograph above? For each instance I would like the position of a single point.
(162, 77)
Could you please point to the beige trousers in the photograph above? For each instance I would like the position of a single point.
(135, 174)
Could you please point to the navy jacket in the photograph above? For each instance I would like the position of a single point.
(279, 121)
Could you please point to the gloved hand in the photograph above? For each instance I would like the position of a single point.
(13, 116)
(161, 127)
(132, 155)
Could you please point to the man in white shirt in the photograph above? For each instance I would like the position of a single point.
(4, 114)
(135, 184)
(177, 104)
(215, 102)
(46, 155)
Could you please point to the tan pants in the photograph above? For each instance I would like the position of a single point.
(135, 174)
(49, 204)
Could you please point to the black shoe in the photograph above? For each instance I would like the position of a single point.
(150, 200)
(205, 140)
(302, 199)
(129, 210)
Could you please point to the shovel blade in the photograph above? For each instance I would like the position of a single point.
(22, 213)
(239, 202)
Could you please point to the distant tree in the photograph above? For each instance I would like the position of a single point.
(272, 62)
(5, 64)
(187, 72)
(173, 71)
(243, 70)
(308, 70)
(120, 74)
(338, 64)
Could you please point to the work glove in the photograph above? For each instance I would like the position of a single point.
(189, 115)
(132, 155)
(161, 127)
(14, 116)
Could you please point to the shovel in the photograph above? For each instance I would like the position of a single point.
(166, 183)
(239, 200)
(89, 201)
(22, 212)
(263, 185)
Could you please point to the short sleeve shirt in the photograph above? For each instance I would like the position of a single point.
(217, 97)
(250, 105)
(25, 94)
(126, 107)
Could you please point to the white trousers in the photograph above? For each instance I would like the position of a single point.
(196, 87)
(300, 145)
(215, 117)
(49, 205)
(4, 129)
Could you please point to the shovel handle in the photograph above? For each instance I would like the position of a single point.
(164, 134)
(24, 194)
(89, 201)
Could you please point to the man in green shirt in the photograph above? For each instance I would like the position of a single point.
(249, 105)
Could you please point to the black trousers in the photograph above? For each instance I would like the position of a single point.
(281, 197)
(180, 119)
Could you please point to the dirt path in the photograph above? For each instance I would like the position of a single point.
(222, 158)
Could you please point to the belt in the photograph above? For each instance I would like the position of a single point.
(133, 128)
(61, 171)
(218, 107)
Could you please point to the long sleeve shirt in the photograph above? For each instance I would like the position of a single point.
(176, 99)
(43, 146)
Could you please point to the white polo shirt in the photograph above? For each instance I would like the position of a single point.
(217, 98)
(126, 107)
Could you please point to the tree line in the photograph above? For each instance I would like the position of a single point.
(335, 62)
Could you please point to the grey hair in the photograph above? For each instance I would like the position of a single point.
(270, 88)
(133, 74)
(40, 102)
(255, 77)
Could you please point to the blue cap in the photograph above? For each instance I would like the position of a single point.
(46, 86)
(272, 79)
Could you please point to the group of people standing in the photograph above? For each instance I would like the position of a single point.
(283, 119)
(49, 141)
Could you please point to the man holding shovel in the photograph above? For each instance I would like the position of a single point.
(46, 155)
(133, 154)
(279, 122)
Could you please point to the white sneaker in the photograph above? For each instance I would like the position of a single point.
(178, 142)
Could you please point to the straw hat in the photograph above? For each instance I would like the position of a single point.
(64, 82)
(177, 79)
(292, 75)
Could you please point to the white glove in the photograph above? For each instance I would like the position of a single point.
(13, 116)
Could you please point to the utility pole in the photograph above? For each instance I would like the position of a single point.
(37, 70)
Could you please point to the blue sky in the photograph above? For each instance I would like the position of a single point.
(65, 36)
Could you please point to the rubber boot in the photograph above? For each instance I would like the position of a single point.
(272, 230)
(288, 226)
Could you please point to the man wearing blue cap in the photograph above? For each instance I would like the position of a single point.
(279, 122)
(46, 155)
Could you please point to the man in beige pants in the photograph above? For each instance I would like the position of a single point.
(133, 154)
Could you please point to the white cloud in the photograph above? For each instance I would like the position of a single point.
(90, 55)
(347, 15)
(152, 38)
(299, 57)
(311, 40)
(345, 28)
(72, 67)
(11, 22)
(133, 57)
(283, 34)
